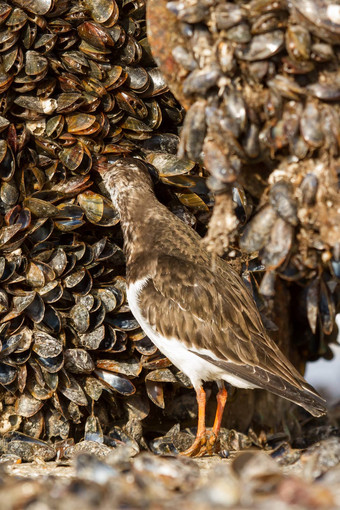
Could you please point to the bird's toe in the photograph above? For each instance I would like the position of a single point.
(198, 447)
(213, 444)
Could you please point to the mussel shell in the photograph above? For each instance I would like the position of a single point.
(298, 42)
(56, 425)
(4, 304)
(58, 261)
(39, 7)
(310, 125)
(262, 46)
(282, 200)
(51, 365)
(267, 286)
(94, 388)
(20, 357)
(326, 308)
(257, 232)
(161, 143)
(123, 322)
(7, 234)
(155, 392)
(169, 164)
(8, 373)
(27, 405)
(52, 319)
(93, 430)
(92, 339)
(37, 390)
(80, 282)
(161, 375)
(45, 345)
(10, 344)
(40, 208)
(116, 382)
(145, 346)
(98, 209)
(72, 390)
(137, 78)
(107, 296)
(105, 11)
(51, 292)
(309, 188)
(36, 310)
(29, 448)
(325, 92)
(7, 269)
(113, 341)
(312, 299)
(78, 361)
(276, 250)
(228, 15)
(155, 362)
(130, 367)
(335, 268)
(321, 18)
(97, 315)
(80, 317)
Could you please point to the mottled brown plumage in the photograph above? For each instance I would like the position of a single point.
(185, 293)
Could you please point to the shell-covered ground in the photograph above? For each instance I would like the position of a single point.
(93, 475)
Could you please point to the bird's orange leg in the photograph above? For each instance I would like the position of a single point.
(221, 398)
(198, 448)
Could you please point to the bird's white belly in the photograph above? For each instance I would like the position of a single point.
(195, 367)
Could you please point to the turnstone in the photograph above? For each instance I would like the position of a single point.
(194, 306)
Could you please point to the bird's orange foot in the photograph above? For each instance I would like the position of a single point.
(198, 447)
(213, 444)
(206, 444)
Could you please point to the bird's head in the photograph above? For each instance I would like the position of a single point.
(125, 176)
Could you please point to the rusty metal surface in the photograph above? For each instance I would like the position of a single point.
(164, 35)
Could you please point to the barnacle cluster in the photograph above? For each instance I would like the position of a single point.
(261, 84)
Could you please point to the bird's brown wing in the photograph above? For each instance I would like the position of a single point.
(210, 308)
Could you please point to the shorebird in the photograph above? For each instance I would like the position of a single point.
(194, 306)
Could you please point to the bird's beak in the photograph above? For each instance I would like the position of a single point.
(153, 174)
(101, 165)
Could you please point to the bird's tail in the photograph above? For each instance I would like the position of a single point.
(296, 389)
(305, 397)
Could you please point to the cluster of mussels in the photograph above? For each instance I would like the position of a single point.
(261, 82)
(76, 80)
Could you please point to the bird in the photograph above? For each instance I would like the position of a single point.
(193, 305)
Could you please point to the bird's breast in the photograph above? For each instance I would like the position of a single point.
(196, 368)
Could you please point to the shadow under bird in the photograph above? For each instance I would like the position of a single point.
(194, 306)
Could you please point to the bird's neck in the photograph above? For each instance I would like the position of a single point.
(140, 212)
